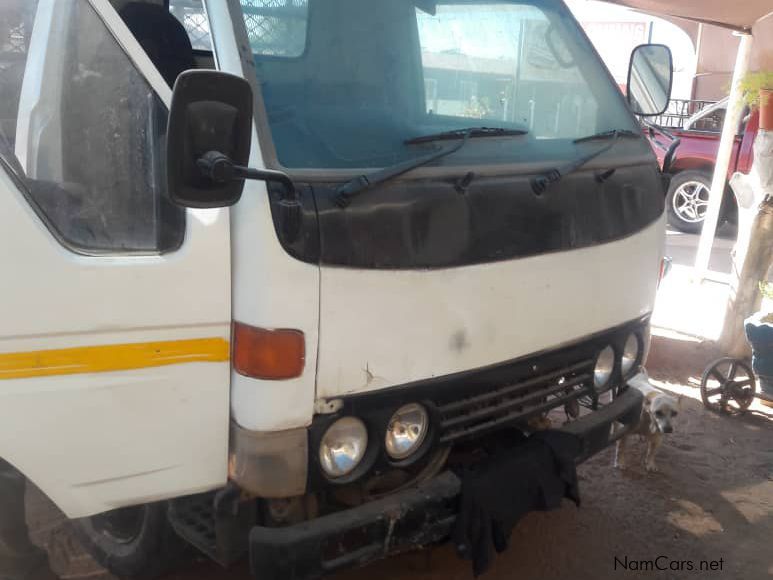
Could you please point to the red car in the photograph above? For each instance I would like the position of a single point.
(693, 164)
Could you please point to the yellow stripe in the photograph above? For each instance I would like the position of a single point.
(111, 357)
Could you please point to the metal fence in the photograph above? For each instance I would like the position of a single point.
(15, 29)
(679, 110)
(191, 14)
(274, 27)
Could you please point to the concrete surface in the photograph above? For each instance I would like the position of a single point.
(683, 247)
(688, 305)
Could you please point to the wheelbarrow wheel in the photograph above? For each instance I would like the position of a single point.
(728, 380)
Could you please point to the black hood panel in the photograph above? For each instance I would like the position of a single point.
(433, 223)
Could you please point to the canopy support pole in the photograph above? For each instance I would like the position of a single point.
(729, 131)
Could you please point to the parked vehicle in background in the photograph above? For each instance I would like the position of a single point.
(693, 164)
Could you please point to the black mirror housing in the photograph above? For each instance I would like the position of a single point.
(650, 78)
(210, 111)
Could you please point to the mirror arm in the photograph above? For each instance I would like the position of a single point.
(220, 169)
(268, 175)
(289, 205)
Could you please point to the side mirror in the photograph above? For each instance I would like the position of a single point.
(208, 142)
(210, 111)
(650, 75)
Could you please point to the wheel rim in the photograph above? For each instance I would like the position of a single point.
(728, 384)
(122, 525)
(691, 201)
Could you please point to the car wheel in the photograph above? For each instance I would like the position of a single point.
(133, 543)
(688, 200)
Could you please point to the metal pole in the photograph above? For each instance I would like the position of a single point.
(729, 131)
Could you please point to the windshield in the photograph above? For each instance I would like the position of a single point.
(346, 82)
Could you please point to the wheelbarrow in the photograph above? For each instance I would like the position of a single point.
(729, 384)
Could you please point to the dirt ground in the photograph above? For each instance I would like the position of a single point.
(710, 505)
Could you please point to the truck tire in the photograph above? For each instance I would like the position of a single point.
(687, 200)
(134, 543)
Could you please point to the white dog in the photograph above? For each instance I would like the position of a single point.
(657, 414)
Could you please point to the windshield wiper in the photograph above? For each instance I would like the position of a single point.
(541, 182)
(469, 131)
(362, 183)
(611, 134)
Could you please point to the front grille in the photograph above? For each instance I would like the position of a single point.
(469, 405)
(501, 405)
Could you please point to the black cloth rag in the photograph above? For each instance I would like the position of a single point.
(518, 477)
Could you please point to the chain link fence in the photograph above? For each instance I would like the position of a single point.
(16, 41)
(274, 27)
(15, 30)
(191, 15)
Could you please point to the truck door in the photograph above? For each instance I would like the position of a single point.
(115, 310)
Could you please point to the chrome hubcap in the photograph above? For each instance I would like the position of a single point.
(690, 201)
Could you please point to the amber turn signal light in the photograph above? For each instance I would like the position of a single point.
(268, 354)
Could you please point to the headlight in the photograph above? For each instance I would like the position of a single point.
(406, 431)
(630, 353)
(605, 364)
(343, 446)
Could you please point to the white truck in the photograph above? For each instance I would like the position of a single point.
(366, 234)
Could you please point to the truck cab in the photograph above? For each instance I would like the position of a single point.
(265, 290)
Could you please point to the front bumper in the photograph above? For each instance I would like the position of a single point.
(412, 518)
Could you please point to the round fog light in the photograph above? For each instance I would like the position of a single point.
(605, 364)
(343, 446)
(630, 354)
(406, 431)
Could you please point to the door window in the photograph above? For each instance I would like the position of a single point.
(82, 132)
(711, 123)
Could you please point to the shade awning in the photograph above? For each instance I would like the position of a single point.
(739, 15)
